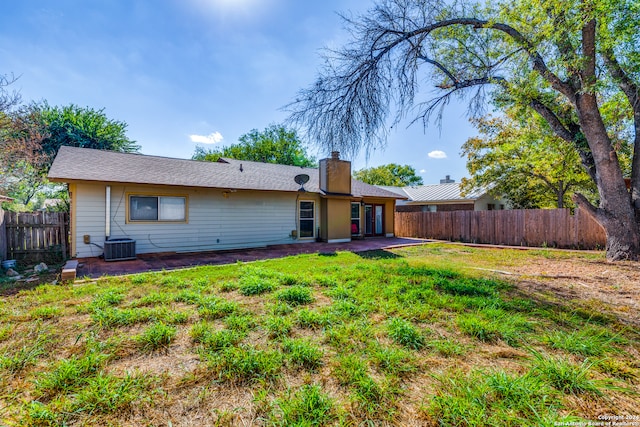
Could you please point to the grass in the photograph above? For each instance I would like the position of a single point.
(156, 336)
(420, 337)
(295, 295)
(302, 353)
(307, 406)
(405, 334)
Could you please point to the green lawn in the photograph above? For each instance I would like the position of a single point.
(417, 336)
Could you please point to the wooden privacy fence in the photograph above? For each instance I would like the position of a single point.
(526, 227)
(3, 237)
(37, 236)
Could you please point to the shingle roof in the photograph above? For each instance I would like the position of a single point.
(84, 164)
(449, 192)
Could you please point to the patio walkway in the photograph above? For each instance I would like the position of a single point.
(96, 267)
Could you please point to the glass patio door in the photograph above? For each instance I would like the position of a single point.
(374, 220)
(368, 220)
(379, 230)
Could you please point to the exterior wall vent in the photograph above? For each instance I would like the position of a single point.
(119, 249)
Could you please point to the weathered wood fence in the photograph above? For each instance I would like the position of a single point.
(527, 227)
(3, 237)
(37, 236)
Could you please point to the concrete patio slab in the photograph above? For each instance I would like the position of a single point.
(96, 267)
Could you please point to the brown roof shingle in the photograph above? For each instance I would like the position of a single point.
(84, 164)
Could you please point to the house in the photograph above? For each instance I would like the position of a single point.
(444, 197)
(5, 198)
(177, 205)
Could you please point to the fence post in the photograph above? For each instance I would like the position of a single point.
(3, 236)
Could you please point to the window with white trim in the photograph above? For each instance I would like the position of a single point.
(355, 219)
(157, 208)
(306, 213)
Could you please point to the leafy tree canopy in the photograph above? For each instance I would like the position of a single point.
(391, 174)
(32, 136)
(521, 159)
(80, 127)
(275, 144)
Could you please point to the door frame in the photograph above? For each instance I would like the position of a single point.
(372, 224)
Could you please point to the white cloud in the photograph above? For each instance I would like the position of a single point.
(423, 171)
(213, 138)
(437, 154)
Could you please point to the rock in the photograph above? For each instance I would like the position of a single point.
(42, 267)
(12, 273)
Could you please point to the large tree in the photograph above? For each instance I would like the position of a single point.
(33, 134)
(390, 174)
(518, 157)
(562, 58)
(275, 144)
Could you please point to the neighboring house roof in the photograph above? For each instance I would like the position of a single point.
(5, 198)
(84, 164)
(435, 193)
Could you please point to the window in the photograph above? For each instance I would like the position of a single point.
(157, 208)
(307, 219)
(355, 219)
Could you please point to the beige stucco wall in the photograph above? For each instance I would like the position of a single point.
(336, 220)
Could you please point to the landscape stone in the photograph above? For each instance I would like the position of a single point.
(12, 273)
(41, 267)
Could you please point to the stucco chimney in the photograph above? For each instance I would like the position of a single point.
(335, 175)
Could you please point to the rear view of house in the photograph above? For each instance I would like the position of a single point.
(176, 205)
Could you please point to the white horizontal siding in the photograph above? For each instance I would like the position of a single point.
(89, 219)
(243, 219)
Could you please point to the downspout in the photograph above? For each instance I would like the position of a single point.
(107, 210)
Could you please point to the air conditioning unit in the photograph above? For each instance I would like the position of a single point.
(119, 249)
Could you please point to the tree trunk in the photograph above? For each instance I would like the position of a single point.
(615, 212)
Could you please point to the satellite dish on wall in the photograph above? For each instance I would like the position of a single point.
(301, 180)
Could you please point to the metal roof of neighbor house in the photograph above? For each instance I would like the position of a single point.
(436, 193)
(84, 164)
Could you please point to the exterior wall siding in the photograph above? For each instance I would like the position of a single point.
(439, 207)
(242, 219)
(88, 218)
(482, 204)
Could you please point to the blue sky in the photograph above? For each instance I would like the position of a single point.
(188, 72)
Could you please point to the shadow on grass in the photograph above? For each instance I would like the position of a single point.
(378, 254)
